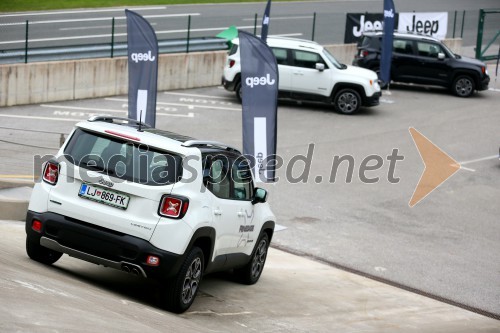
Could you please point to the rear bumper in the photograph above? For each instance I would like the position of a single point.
(228, 85)
(101, 246)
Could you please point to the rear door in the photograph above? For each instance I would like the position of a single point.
(230, 182)
(306, 79)
(284, 68)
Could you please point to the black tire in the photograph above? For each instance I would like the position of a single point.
(251, 272)
(41, 254)
(181, 290)
(463, 86)
(238, 91)
(347, 101)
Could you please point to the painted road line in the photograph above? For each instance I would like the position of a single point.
(189, 106)
(117, 35)
(78, 108)
(93, 19)
(282, 18)
(195, 95)
(279, 227)
(16, 176)
(479, 159)
(467, 169)
(89, 114)
(286, 35)
(39, 118)
(81, 11)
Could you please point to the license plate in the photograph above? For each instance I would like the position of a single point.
(104, 196)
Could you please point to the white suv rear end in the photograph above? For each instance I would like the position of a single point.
(308, 72)
(152, 203)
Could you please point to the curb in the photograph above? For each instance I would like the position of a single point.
(15, 182)
(15, 210)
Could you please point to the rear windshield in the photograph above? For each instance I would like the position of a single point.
(370, 42)
(233, 49)
(122, 159)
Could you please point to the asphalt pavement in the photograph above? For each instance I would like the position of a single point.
(446, 246)
(294, 294)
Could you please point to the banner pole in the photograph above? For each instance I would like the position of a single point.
(314, 26)
(255, 25)
(26, 44)
(112, 36)
(188, 33)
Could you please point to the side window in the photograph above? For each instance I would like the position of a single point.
(281, 56)
(241, 177)
(426, 49)
(228, 177)
(216, 175)
(402, 46)
(307, 59)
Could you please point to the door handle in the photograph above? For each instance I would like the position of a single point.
(217, 212)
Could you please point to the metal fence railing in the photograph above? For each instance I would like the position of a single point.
(44, 39)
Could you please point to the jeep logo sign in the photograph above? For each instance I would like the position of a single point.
(358, 23)
(259, 81)
(136, 57)
(433, 24)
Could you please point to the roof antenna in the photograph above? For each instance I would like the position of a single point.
(140, 122)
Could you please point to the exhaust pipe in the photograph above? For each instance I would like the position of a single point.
(126, 269)
(135, 271)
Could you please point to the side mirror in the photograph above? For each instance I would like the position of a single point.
(259, 196)
(441, 56)
(320, 67)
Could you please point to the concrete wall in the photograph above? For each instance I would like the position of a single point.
(90, 78)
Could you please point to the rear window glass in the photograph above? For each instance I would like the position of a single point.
(122, 159)
(233, 49)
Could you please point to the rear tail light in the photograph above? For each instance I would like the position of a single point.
(51, 172)
(152, 261)
(36, 225)
(363, 53)
(174, 207)
(231, 63)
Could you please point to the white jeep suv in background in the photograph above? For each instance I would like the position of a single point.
(152, 203)
(308, 72)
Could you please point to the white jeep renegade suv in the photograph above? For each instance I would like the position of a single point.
(308, 72)
(152, 203)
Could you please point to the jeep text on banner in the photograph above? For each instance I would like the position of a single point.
(142, 68)
(386, 52)
(265, 21)
(430, 24)
(259, 80)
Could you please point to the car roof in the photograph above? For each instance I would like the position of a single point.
(165, 140)
(414, 36)
(289, 43)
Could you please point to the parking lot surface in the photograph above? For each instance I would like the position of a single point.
(446, 246)
(293, 295)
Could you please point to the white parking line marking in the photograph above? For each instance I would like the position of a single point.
(279, 227)
(81, 11)
(89, 114)
(282, 18)
(78, 108)
(195, 95)
(189, 106)
(39, 118)
(467, 169)
(479, 159)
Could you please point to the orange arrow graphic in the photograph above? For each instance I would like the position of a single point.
(439, 166)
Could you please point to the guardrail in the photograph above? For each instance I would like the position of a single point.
(108, 50)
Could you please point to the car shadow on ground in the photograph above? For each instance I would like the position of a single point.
(131, 288)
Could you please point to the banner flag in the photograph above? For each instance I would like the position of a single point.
(142, 69)
(259, 80)
(429, 24)
(265, 22)
(386, 54)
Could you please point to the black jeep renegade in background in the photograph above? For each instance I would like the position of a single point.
(424, 60)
